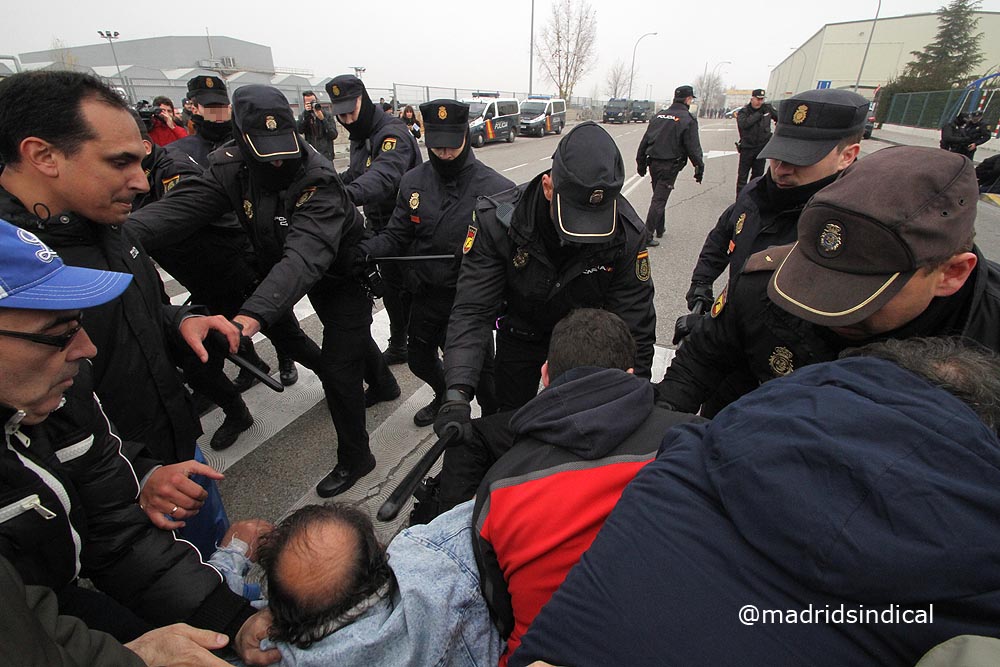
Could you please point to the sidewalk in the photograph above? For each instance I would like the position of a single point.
(914, 136)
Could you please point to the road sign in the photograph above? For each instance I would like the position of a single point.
(823, 85)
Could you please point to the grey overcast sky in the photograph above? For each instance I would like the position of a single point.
(467, 43)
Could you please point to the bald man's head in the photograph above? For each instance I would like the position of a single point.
(324, 566)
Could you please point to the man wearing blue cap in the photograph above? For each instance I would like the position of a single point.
(76, 512)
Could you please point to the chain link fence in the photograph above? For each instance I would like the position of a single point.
(933, 109)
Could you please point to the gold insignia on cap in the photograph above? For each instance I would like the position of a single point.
(415, 201)
(800, 114)
(335, 90)
(442, 113)
(642, 266)
(831, 239)
(596, 197)
(470, 238)
(521, 258)
(270, 123)
(389, 144)
(739, 222)
(248, 209)
(720, 302)
(169, 183)
(781, 361)
(209, 83)
(305, 196)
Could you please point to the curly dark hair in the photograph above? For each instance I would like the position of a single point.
(303, 622)
(590, 337)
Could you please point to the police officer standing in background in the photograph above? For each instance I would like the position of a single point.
(567, 239)
(305, 232)
(671, 139)
(432, 216)
(754, 123)
(382, 150)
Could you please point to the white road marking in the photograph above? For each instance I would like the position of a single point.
(631, 184)
(711, 154)
(516, 167)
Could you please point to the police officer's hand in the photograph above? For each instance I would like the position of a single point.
(686, 325)
(699, 173)
(699, 293)
(641, 169)
(195, 329)
(248, 326)
(358, 261)
(457, 410)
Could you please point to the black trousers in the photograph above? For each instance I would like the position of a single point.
(518, 368)
(428, 328)
(397, 302)
(663, 174)
(750, 167)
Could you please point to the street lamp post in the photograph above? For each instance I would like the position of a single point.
(358, 71)
(631, 72)
(871, 33)
(112, 35)
(531, 51)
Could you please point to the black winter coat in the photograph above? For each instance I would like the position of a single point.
(672, 134)
(754, 126)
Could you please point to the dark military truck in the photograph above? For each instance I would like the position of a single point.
(541, 114)
(492, 118)
(642, 110)
(617, 111)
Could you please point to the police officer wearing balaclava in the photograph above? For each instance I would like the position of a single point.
(382, 150)
(432, 217)
(305, 232)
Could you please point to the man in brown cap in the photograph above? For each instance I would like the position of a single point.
(886, 251)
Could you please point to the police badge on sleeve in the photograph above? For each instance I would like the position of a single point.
(642, 266)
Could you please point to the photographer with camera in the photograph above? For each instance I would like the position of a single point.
(317, 128)
(164, 129)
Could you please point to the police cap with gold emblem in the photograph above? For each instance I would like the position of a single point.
(812, 123)
(862, 237)
(344, 90)
(208, 91)
(262, 115)
(445, 123)
(587, 176)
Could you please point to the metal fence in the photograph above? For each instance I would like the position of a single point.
(933, 109)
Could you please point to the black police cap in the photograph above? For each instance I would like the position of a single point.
(684, 92)
(343, 91)
(587, 176)
(445, 123)
(757, 92)
(813, 122)
(207, 90)
(262, 115)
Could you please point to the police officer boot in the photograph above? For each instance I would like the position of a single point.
(238, 419)
(396, 352)
(426, 415)
(287, 371)
(388, 390)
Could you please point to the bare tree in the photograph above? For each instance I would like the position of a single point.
(711, 92)
(567, 49)
(63, 55)
(616, 83)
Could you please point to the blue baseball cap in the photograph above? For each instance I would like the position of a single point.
(33, 277)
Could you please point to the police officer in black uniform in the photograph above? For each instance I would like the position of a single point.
(382, 150)
(305, 232)
(885, 251)
(567, 239)
(754, 124)
(671, 139)
(432, 216)
(216, 266)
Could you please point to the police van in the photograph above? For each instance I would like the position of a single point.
(642, 110)
(541, 114)
(492, 118)
(617, 111)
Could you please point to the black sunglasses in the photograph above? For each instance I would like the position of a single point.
(61, 341)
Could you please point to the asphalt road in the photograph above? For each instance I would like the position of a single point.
(292, 445)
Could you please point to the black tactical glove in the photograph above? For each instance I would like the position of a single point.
(699, 293)
(686, 325)
(454, 410)
(699, 173)
(640, 169)
(357, 261)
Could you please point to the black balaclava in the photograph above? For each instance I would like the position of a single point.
(361, 129)
(213, 132)
(449, 169)
(264, 174)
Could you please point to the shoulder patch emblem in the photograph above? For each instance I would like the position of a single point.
(305, 196)
(415, 201)
(800, 114)
(169, 183)
(720, 302)
(470, 238)
(739, 222)
(389, 144)
(781, 361)
(642, 266)
(248, 209)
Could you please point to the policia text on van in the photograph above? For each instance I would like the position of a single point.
(492, 119)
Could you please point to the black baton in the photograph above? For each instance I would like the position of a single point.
(256, 372)
(390, 508)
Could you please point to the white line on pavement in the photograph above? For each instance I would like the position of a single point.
(516, 167)
(631, 184)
